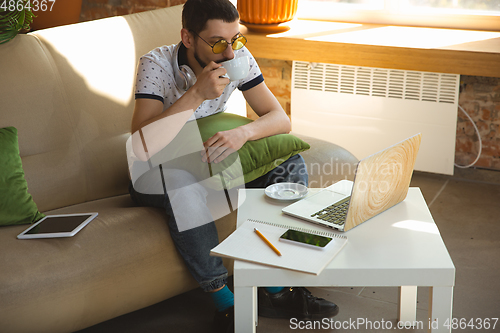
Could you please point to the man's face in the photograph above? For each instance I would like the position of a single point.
(215, 31)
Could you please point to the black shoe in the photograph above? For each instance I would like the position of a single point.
(224, 321)
(295, 303)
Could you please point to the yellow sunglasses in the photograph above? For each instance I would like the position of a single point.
(221, 45)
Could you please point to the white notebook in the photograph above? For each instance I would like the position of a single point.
(244, 244)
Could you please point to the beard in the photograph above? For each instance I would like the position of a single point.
(200, 62)
(204, 64)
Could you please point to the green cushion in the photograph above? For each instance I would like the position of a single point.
(256, 157)
(16, 204)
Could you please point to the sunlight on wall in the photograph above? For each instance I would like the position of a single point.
(475, 15)
(237, 104)
(109, 72)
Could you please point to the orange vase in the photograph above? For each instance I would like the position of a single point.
(267, 12)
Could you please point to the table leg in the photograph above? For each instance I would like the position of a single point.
(407, 305)
(245, 309)
(440, 309)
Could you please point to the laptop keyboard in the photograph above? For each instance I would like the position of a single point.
(335, 213)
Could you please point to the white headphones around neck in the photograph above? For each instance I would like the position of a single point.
(184, 75)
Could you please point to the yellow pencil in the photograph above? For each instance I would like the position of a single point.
(267, 242)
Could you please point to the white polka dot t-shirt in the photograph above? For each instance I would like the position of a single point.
(155, 79)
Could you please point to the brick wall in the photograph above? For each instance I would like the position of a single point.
(278, 76)
(96, 9)
(479, 96)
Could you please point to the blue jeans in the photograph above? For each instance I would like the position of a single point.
(194, 245)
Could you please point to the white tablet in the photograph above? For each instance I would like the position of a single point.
(64, 225)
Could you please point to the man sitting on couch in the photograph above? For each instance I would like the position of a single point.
(188, 76)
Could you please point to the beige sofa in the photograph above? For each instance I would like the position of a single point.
(69, 92)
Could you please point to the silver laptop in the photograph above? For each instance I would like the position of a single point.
(381, 181)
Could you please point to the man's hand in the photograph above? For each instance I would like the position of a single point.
(210, 84)
(223, 144)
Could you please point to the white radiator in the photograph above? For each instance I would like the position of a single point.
(368, 109)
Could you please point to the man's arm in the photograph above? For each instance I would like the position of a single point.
(153, 129)
(272, 120)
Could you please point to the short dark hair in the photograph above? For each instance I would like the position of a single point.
(196, 13)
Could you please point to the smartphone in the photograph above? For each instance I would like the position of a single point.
(305, 239)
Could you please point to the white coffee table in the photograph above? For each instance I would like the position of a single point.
(400, 247)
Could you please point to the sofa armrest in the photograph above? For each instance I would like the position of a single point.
(327, 163)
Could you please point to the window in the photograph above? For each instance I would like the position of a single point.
(461, 14)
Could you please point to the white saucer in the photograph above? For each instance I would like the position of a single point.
(286, 191)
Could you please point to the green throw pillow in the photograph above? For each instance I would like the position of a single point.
(256, 157)
(16, 204)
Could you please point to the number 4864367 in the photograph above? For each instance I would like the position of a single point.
(34, 5)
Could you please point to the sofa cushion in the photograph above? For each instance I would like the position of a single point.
(327, 163)
(16, 204)
(122, 261)
(257, 157)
